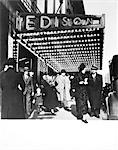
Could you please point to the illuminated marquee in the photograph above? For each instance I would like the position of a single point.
(64, 42)
(34, 22)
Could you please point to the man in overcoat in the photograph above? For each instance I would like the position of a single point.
(28, 92)
(12, 95)
(95, 91)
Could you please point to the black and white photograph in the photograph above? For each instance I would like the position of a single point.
(59, 73)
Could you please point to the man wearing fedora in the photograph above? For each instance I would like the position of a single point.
(95, 91)
(28, 91)
(12, 95)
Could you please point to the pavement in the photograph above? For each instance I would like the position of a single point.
(63, 114)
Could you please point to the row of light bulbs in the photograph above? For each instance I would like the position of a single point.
(96, 57)
(60, 49)
(65, 61)
(86, 60)
(58, 31)
(70, 54)
(65, 46)
(73, 52)
(61, 37)
(76, 50)
(32, 35)
(55, 42)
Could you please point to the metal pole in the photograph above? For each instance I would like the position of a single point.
(45, 5)
(53, 6)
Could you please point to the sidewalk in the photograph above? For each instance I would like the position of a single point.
(62, 114)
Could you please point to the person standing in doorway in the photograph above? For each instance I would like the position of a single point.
(95, 91)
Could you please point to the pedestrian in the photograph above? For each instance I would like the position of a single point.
(95, 91)
(112, 106)
(63, 89)
(38, 100)
(28, 92)
(50, 98)
(12, 95)
(81, 96)
(67, 97)
(35, 83)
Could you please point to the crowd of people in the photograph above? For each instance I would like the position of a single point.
(22, 94)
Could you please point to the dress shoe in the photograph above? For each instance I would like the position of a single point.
(56, 110)
(85, 121)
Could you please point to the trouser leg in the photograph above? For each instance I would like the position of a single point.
(61, 98)
(78, 109)
(28, 104)
(67, 98)
(61, 95)
(97, 111)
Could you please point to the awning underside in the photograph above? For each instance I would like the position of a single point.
(67, 49)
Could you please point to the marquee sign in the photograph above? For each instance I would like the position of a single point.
(63, 41)
(38, 22)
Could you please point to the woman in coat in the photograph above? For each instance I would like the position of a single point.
(11, 84)
(50, 98)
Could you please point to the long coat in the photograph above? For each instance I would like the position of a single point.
(67, 89)
(63, 87)
(95, 91)
(50, 98)
(81, 95)
(12, 97)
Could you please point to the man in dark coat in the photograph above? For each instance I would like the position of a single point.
(95, 91)
(12, 85)
(81, 97)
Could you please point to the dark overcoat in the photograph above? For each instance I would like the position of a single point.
(12, 97)
(50, 98)
(81, 95)
(95, 90)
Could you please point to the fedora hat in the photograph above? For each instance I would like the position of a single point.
(82, 66)
(94, 67)
(63, 71)
(10, 61)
